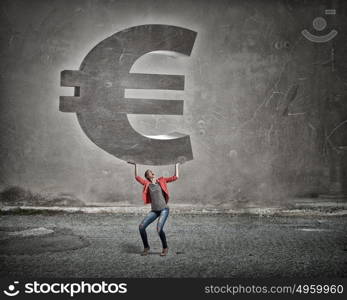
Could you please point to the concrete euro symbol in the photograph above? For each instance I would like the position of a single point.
(99, 100)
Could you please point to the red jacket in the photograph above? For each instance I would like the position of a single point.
(162, 182)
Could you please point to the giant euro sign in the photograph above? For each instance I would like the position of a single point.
(99, 94)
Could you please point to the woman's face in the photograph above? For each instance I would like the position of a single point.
(150, 174)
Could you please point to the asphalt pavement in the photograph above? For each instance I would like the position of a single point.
(205, 245)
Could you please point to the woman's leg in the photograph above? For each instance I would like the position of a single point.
(148, 219)
(161, 222)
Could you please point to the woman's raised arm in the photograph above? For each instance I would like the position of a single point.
(174, 177)
(176, 170)
(137, 177)
(133, 163)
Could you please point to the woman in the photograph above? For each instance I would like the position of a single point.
(155, 191)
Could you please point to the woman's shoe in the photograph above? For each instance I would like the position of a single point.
(164, 252)
(145, 251)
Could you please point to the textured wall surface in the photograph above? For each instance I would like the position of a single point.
(265, 107)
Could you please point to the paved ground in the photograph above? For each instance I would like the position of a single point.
(108, 245)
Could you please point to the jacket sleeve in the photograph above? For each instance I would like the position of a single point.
(169, 179)
(140, 179)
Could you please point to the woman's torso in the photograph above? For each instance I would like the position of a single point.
(157, 197)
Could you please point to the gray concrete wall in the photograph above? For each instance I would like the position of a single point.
(260, 99)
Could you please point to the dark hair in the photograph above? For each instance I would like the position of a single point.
(146, 173)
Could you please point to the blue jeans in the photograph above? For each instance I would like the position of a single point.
(148, 219)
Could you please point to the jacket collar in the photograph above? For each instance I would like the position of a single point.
(158, 180)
